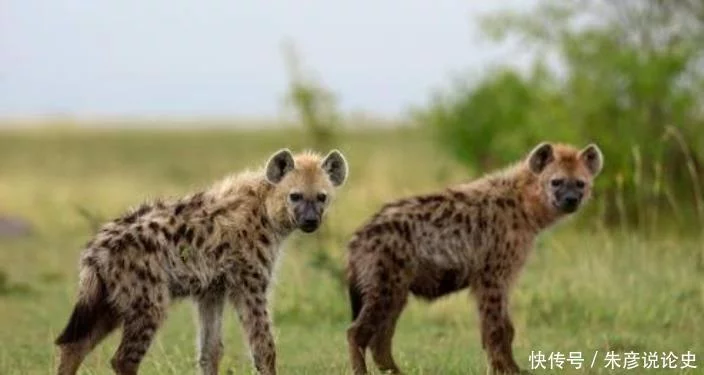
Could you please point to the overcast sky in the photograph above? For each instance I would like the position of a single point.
(223, 57)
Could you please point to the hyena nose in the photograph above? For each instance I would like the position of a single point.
(310, 224)
(570, 203)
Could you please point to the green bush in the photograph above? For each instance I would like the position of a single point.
(638, 97)
(492, 123)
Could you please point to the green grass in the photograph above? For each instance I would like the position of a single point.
(582, 290)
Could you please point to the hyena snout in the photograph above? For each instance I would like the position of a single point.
(310, 225)
(308, 216)
(568, 194)
(570, 203)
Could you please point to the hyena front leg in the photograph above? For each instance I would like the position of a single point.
(496, 328)
(210, 348)
(251, 303)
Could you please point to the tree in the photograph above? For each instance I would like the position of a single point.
(314, 105)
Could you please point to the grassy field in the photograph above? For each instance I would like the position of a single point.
(583, 290)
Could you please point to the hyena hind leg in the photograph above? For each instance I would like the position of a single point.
(72, 354)
(381, 344)
(139, 329)
(374, 329)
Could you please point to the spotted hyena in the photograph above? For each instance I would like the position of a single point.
(475, 235)
(215, 245)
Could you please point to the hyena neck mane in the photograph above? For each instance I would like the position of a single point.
(252, 194)
(516, 183)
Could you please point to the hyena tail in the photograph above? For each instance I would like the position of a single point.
(355, 300)
(355, 295)
(91, 306)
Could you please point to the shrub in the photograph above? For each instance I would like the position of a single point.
(638, 98)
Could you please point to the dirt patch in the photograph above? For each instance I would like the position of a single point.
(14, 227)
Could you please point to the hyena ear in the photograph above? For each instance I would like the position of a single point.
(335, 166)
(592, 158)
(278, 165)
(540, 157)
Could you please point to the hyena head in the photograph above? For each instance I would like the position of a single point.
(565, 174)
(304, 186)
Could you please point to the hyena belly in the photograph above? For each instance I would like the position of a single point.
(192, 257)
(189, 272)
(444, 262)
(146, 261)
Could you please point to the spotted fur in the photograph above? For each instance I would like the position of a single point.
(475, 235)
(220, 244)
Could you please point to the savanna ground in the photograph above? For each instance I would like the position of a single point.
(584, 289)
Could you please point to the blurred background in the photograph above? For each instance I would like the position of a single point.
(103, 105)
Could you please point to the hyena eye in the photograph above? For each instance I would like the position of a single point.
(295, 197)
(579, 184)
(322, 197)
(556, 182)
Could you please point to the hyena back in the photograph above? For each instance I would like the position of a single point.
(475, 235)
(217, 245)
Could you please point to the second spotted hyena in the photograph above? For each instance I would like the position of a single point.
(474, 235)
(217, 245)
